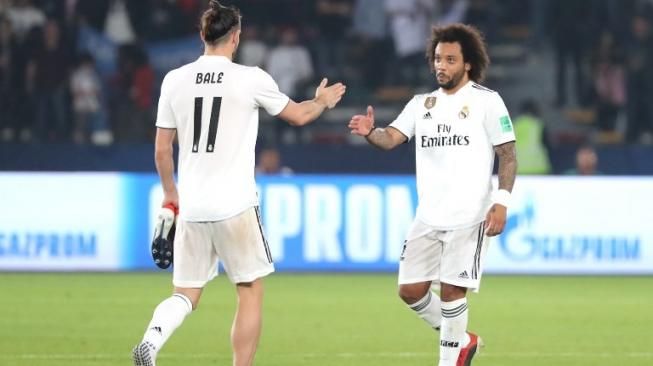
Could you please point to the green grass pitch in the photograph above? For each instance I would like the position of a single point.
(326, 319)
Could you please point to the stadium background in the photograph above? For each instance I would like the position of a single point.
(79, 190)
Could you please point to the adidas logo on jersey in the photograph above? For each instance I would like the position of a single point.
(463, 274)
(427, 115)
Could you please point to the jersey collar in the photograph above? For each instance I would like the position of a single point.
(213, 58)
(440, 93)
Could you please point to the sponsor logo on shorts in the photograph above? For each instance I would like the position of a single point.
(463, 274)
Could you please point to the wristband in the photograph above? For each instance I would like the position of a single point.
(501, 197)
(172, 208)
(372, 130)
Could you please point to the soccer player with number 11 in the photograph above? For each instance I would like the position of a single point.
(212, 104)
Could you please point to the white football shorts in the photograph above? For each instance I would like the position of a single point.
(238, 242)
(453, 256)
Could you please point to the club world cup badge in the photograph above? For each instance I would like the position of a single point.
(464, 113)
(429, 102)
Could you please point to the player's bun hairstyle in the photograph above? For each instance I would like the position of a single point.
(472, 45)
(219, 21)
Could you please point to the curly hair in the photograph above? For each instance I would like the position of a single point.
(471, 42)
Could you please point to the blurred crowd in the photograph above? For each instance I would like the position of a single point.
(609, 47)
(52, 91)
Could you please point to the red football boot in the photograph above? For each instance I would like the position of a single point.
(468, 352)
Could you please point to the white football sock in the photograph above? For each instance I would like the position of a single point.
(453, 335)
(428, 308)
(168, 315)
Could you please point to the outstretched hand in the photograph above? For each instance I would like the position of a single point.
(329, 95)
(362, 125)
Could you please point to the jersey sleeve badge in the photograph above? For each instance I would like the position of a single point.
(506, 124)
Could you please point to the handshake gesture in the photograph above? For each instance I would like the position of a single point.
(362, 125)
(329, 95)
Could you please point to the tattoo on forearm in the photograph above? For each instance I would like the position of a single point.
(507, 165)
(381, 139)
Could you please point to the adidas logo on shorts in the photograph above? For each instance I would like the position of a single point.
(464, 275)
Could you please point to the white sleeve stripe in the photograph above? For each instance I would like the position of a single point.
(502, 141)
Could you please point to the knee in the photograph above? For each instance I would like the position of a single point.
(451, 292)
(411, 294)
(250, 292)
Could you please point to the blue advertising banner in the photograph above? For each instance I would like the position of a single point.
(61, 222)
(103, 222)
(333, 223)
(572, 225)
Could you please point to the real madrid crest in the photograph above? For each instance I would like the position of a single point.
(429, 102)
(464, 113)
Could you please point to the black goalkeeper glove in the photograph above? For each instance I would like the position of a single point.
(164, 236)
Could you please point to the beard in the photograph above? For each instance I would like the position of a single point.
(454, 81)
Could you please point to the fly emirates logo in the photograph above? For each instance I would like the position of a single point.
(444, 138)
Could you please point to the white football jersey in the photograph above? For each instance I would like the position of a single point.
(455, 137)
(213, 103)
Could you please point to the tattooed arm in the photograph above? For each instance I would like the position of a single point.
(495, 220)
(507, 165)
(385, 138)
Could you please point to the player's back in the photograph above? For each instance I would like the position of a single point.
(213, 103)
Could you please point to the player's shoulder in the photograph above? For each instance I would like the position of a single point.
(481, 89)
(245, 67)
(484, 94)
(260, 77)
(258, 72)
(250, 73)
(174, 76)
(421, 98)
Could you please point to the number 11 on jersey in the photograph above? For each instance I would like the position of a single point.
(213, 123)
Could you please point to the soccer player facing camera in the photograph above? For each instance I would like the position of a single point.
(212, 105)
(458, 129)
